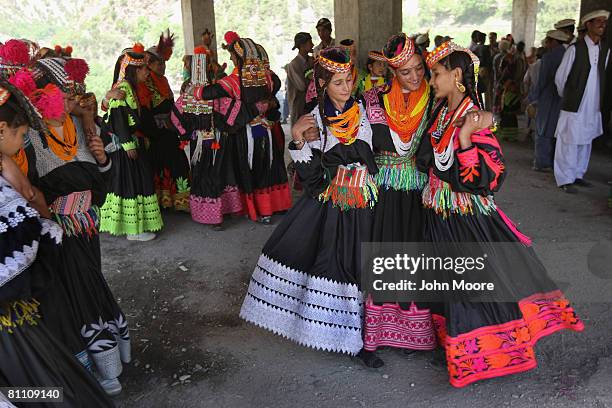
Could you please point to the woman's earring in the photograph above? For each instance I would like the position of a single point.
(460, 86)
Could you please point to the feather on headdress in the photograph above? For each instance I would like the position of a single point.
(165, 45)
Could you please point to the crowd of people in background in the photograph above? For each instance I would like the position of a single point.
(513, 81)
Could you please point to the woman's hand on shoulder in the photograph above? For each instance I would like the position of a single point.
(303, 124)
(475, 121)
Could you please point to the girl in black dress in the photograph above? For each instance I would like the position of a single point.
(30, 355)
(306, 285)
(466, 166)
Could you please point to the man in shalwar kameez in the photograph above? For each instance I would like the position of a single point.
(544, 93)
(580, 81)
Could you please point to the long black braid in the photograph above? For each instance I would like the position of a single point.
(324, 76)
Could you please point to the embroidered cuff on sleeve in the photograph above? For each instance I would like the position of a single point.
(302, 155)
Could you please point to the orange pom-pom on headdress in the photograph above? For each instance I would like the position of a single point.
(201, 50)
(138, 48)
(63, 52)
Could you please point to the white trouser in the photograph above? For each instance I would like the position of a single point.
(571, 162)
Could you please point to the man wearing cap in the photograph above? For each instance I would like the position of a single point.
(544, 94)
(296, 82)
(324, 29)
(567, 26)
(580, 81)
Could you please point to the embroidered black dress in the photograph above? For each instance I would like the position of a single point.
(398, 217)
(168, 160)
(485, 340)
(31, 356)
(261, 163)
(131, 205)
(306, 285)
(214, 191)
(256, 137)
(74, 190)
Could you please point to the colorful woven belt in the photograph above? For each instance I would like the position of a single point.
(73, 203)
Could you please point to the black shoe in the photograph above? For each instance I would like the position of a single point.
(265, 220)
(569, 188)
(370, 359)
(583, 183)
(218, 227)
(408, 352)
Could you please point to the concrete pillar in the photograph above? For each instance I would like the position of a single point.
(197, 16)
(524, 21)
(369, 22)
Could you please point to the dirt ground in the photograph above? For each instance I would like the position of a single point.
(182, 293)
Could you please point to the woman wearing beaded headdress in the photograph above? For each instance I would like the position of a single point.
(306, 284)
(131, 207)
(32, 356)
(15, 57)
(210, 149)
(168, 161)
(495, 336)
(241, 101)
(270, 188)
(399, 113)
(73, 171)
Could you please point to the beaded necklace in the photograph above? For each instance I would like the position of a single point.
(442, 133)
(404, 116)
(345, 126)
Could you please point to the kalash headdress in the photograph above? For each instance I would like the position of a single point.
(398, 50)
(447, 49)
(67, 74)
(376, 56)
(165, 46)
(199, 78)
(263, 54)
(134, 56)
(335, 59)
(34, 118)
(253, 83)
(14, 55)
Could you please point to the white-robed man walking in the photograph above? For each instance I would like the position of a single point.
(580, 83)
